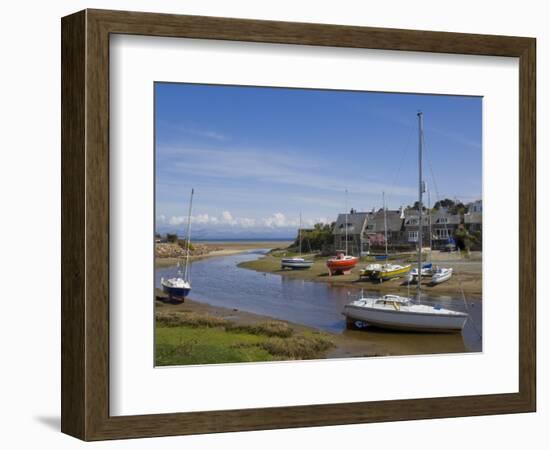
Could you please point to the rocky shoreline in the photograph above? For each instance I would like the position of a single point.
(174, 250)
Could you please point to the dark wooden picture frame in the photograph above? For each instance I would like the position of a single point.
(85, 224)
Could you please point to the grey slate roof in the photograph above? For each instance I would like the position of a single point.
(375, 221)
(437, 216)
(355, 221)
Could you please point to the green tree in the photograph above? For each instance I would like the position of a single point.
(464, 240)
(458, 208)
(172, 238)
(445, 203)
(415, 206)
(315, 239)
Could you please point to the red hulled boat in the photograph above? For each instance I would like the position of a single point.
(341, 263)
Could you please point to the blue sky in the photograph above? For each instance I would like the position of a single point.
(258, 157)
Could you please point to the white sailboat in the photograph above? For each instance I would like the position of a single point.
(402, 313)
(297, 263)
(180, 285)
(441, 274)
(426, 271)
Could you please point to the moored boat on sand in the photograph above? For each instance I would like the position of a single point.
(295, 263)
(341, 263)
(442, 274)
(179, 286)
(386, 271)
(401, 313)
(426, 271)
(368, 271)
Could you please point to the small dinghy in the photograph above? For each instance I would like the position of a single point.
(441, 274)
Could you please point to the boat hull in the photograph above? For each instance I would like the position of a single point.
(383, 275)
(441, 278)
(368, 271)
(178, 292)
(296, 264)
(339, 266)
(404, 321)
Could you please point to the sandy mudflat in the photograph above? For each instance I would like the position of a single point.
(467, 276)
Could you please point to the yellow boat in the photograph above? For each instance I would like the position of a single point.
(369, 270)
(387, 271)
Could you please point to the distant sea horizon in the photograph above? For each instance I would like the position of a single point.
(255, 239)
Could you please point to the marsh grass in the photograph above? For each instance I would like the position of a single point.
(297, 347)
(271, 328)
(190, 319)
(196, 338)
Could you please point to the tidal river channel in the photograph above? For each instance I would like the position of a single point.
(219, 281)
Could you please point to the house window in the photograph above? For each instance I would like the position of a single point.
(413, 236)
(443, 220)
(412, 222)
(442, 233)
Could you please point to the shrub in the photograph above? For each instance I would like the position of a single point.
(172, 238)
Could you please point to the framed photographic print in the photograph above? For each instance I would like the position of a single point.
(272, 225)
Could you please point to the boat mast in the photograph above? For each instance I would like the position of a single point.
(188, 236)
(300, 234)
(420, 142)
(385, 223)
(346, 225)
(430, 222)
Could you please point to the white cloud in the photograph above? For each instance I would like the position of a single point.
(176, 220)
(201, 218)
(246, 222)
(275, 220)
(279, 220)
(227, 218)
